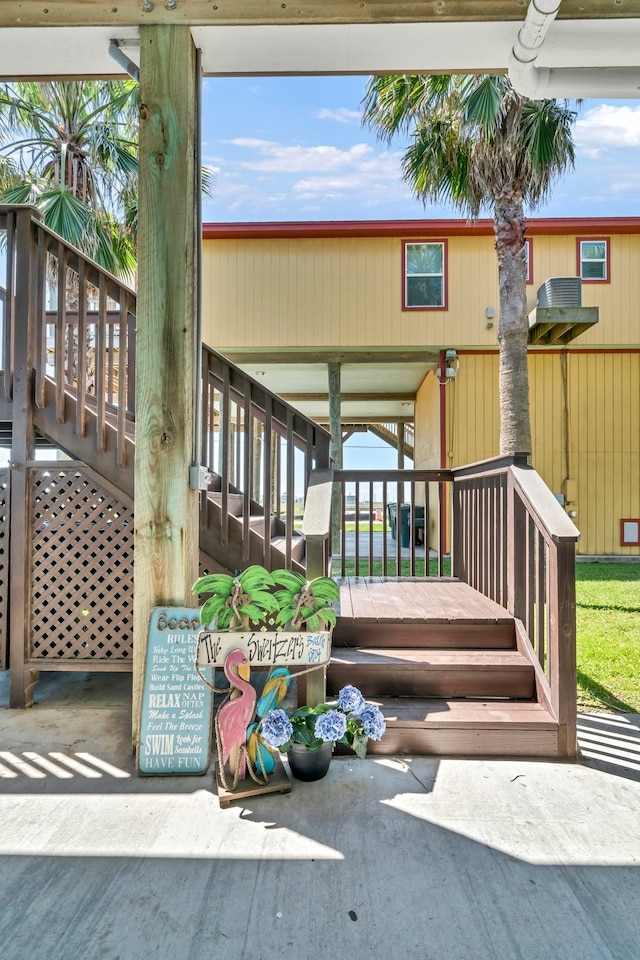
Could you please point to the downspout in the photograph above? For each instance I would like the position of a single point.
(117, 54)
(545, 83)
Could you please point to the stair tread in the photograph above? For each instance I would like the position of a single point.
(419, 712)
(439, 658)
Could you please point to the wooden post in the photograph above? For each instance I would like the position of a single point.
(400, 464)
(22, 452)
(335, 451)
(166, 509)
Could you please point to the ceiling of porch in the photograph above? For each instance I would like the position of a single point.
(379, 392)
(336, 38)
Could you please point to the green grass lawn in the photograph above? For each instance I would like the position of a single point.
(608, 628)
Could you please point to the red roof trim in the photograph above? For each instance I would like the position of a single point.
(424, 229)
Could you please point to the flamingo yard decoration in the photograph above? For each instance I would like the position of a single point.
(235, 715)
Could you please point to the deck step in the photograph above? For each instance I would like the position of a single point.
(458, 634)
(438, 727)
(415, 672)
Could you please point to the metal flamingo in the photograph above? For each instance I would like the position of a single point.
(236, 714)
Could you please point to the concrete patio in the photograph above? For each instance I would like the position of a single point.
(390, 859)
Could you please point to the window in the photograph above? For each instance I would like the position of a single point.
(528, 260)
(593, 260)
(424, 275)
(630, 533)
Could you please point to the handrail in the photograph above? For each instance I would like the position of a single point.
(551, 518)
(514, 543)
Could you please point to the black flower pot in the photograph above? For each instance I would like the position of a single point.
(309, 764)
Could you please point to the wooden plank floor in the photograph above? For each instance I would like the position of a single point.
(415, 600)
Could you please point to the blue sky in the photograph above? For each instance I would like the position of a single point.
(293, 148)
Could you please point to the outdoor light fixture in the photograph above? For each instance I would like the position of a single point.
(449, 371)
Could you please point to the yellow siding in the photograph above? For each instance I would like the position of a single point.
(617, 300)
(427, 424)
(334, 292)
(347, 292)
(604, 391)
(598, 411)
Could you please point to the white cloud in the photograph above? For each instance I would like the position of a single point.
(608, 127)
(341, 115)
(276, 157)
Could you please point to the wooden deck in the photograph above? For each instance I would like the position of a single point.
(444, 664)
(424, 612)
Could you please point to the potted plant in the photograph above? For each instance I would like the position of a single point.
(253, 619)
(309, 734)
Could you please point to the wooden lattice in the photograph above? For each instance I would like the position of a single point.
(4, 567)
(82, 568)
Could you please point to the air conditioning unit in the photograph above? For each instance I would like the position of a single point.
(560, 292)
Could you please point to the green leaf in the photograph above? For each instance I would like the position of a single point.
(293, 582)
(219, 583)
(360, 741)
(255, 614)
(255, 578)
(211, 610)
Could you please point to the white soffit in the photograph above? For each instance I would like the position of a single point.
(35, 52)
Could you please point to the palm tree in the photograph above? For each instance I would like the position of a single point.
(476, 144)
(70, 149)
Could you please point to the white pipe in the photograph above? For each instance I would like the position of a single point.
(540, 83)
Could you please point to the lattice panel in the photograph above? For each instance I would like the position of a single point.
(82, 568)
(4, 568)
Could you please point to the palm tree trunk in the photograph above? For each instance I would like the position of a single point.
(513, 329)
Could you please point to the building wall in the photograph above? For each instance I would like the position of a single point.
(347, 291)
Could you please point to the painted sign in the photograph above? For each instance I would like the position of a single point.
(265, 649)
(174, 729)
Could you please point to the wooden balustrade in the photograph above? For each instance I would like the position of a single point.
(392, 522)
(515, 544)
(263, 452)
(83, 343)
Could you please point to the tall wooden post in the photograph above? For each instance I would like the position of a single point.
(22, 452)
(166, 509)
(335, 450)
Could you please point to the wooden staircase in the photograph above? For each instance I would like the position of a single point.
(444, 664)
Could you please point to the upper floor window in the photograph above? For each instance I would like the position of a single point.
(425, 275)
(593, 259)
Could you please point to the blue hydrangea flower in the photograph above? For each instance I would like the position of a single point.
(351, 701)
(276, 728)
(331, 725)
(373, 722)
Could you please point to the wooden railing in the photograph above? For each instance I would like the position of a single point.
(392, 522)
(262, 451)
(81, 347)
(514, 543)
(83, 327)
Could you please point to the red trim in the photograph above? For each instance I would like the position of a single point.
(442, 389)
(551, 350)
(445, 269)
(607, 241)
(629, 543)
(429, 229)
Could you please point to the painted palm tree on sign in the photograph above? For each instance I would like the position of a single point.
(70, 148)
(477, 144)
